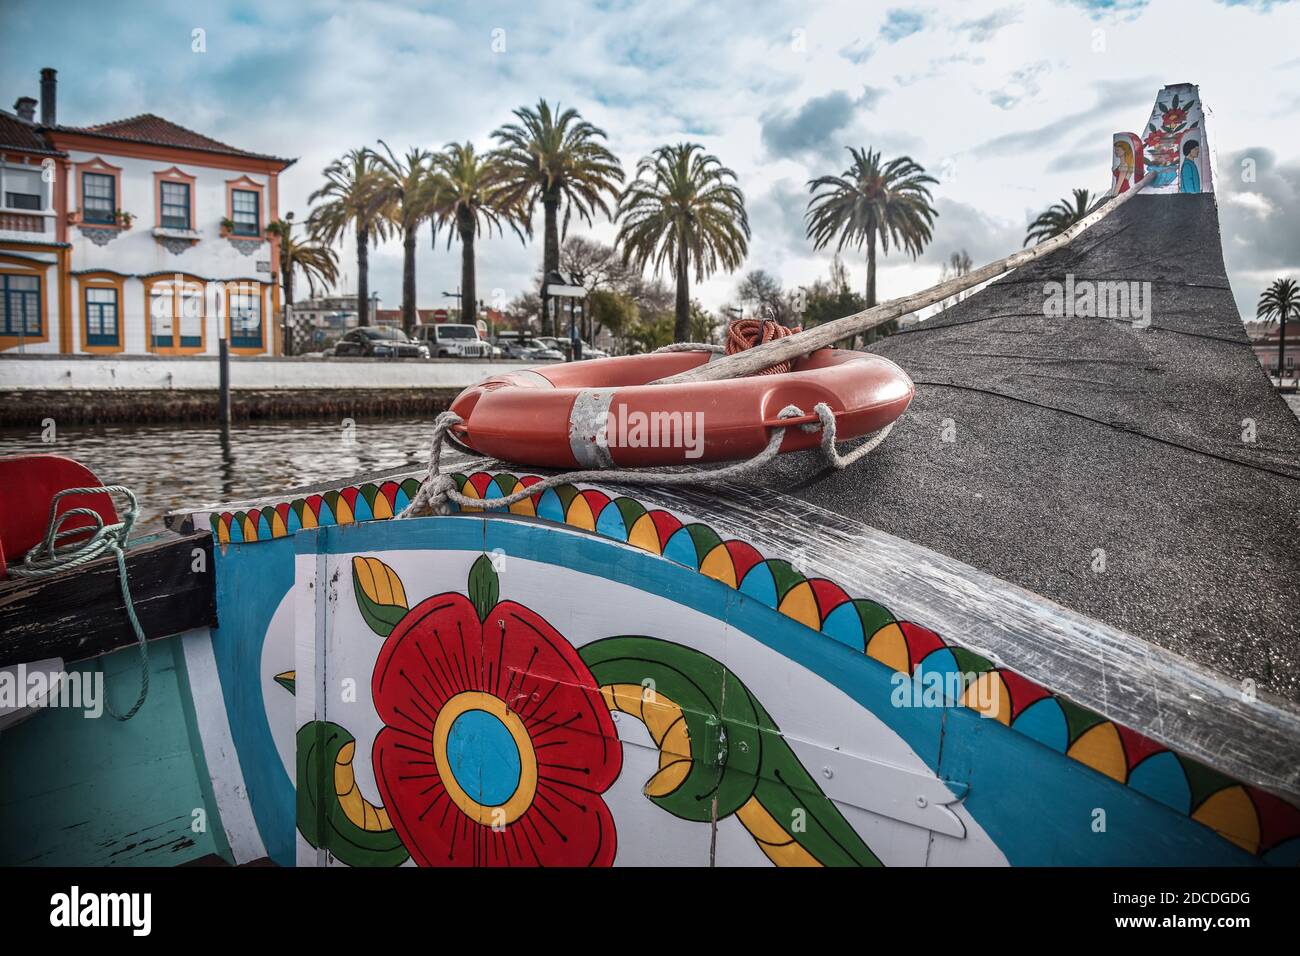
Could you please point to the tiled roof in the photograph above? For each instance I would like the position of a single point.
(18, 134)
(148, 128)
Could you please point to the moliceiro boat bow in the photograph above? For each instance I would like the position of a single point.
(1012, 635)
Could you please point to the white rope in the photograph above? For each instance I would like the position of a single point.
(50, 557)
(437, 489)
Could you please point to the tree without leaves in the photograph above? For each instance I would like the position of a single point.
(1058, 217)
(683, 210)
(409, 188)
(769, 299)
(958, 264)
(352, 197)
(470, 198)
(556, 159)
(1279, 302)
(593, 264)
(870, 203)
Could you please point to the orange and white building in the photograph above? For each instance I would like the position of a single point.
(135, 236)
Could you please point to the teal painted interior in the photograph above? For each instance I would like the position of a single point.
(99, 792)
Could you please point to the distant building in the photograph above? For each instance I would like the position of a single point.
(134, 236)
(1264, 340)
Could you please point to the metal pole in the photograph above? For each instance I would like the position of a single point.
(223, 394)
(577, 338)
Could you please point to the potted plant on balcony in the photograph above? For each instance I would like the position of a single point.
(227, 227)
(125, 219)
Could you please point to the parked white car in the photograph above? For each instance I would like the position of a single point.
(448, 340)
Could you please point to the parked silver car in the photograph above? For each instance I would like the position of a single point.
(526, 349)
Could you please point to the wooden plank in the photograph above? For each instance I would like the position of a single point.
(80, 614)
(752, 361)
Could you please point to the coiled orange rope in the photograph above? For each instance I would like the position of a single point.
(746, 333)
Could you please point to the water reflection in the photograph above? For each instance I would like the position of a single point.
(171, 466)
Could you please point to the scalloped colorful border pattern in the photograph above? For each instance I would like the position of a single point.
(1253, 819)
(368, 502)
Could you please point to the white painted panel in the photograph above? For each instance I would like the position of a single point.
(224, 770)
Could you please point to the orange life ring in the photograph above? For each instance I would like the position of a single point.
(603, 413)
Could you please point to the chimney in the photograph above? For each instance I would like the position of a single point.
(49, 91)
(25, 107)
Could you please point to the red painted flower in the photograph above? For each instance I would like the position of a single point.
(497, 743)
(1173, 118)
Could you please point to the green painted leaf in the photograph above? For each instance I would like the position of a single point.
(321, 819)
(789, 793)
(483, 586)
(694, 682)
(380, 617)
(751, 759)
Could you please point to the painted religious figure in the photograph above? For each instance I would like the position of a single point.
(1189, 179)
(1126, 163)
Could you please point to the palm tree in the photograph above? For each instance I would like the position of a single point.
(315, 260)
(1059, 217)
(469, 198)
(683, 209)
(353, 197)
(555, 158)
(869, 202)
(1280, 301)
(410, 187)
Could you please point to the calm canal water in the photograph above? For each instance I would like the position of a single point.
(174, 466)
(170, 466)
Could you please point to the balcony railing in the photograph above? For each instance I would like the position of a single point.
(21, 222)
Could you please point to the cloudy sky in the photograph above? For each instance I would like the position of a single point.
(1009, 104)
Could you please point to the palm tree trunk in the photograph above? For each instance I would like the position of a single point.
(682, 323)
(363, 275)
(468, 292)
(871, 269)
(1281, 346)
(286, 276)
(408, 281)
(550, 258)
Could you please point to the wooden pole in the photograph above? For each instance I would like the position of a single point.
(752, 361)
(223, 396)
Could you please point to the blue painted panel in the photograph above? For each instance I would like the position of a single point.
(252, 580)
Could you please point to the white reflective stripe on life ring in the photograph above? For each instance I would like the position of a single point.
(535, 376)
(587, 425)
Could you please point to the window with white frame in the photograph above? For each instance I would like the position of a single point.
(98, 198)
(23, 189)
(102, 327)
(162, 316)
(175, 198)
(20, 298)
(191, 315)
(245, 212)
(245, 303)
